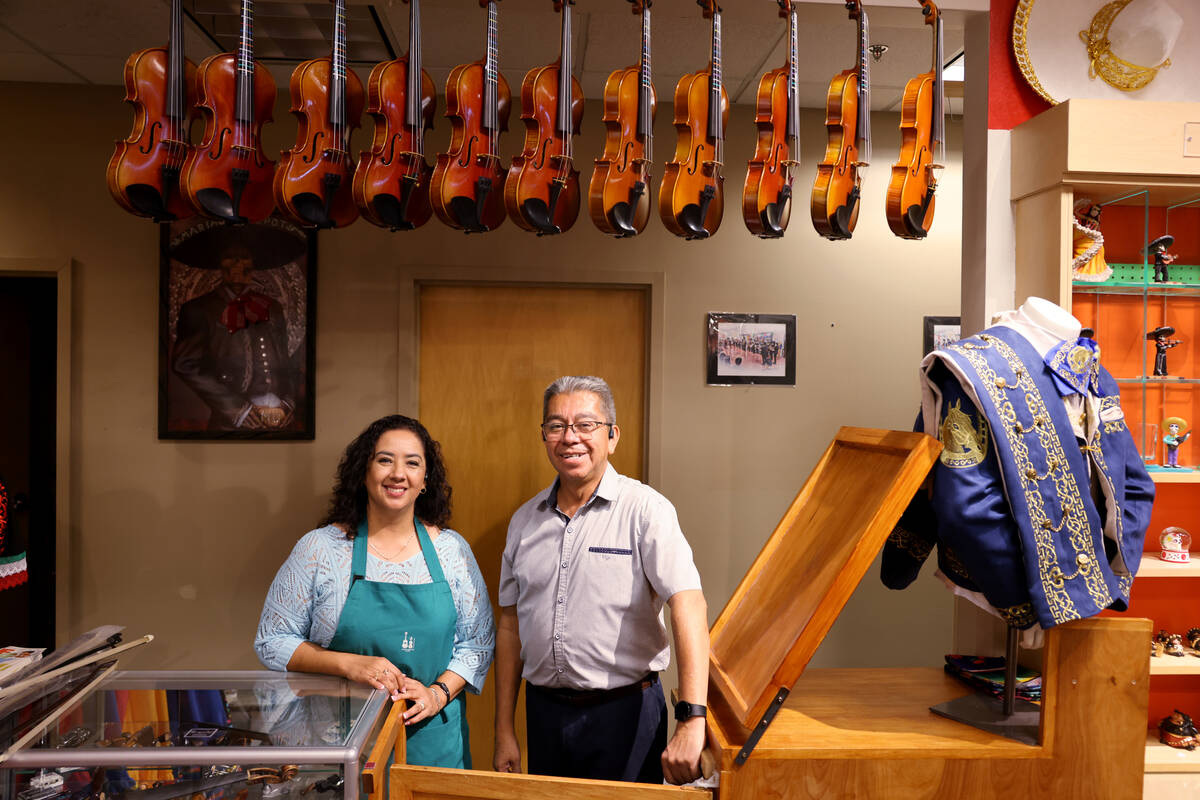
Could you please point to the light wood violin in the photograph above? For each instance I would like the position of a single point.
(467, 190)
(541, 192)
(391, 181)
(143, 173)
(767, 194)
(228, 176)
(838, 187)
(910, 194)
(692, 200)
(619, 193)
(313, 180)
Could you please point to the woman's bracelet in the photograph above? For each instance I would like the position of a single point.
(445, 690)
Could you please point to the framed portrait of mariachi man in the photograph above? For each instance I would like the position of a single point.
(236, 323)
(751, 349)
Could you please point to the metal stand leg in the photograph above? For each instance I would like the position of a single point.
(1009, 716)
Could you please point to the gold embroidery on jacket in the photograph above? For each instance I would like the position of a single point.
(1074, 523)
(964, 440)
(908, 542)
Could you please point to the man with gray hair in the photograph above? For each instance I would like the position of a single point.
(587, 567)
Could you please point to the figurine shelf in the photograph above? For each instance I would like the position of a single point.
(1076, 173)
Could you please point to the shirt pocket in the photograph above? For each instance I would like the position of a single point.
(610, 578)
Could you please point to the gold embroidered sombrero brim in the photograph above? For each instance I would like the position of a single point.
(1072, 48)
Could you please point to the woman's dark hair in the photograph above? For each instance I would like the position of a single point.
(348, 506)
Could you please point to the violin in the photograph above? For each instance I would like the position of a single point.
(838, 187)
(910, 194)
(391, 183)
(767, 193)
(467, 190)
(312, 182)
(541, 192)
(619, 193)
(143, 172)
(228, 176)
(691, 200)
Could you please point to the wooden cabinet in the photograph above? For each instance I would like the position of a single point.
(1140, 163)
(776, 730)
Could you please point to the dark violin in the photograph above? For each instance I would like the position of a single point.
(691, 200)
(910, 194)
(619, 194)
(391, 183)
(838, 188)
(541, 192)
(228, 176)
(312, 183)
(143, 173)
(767, 194)
(467, 191)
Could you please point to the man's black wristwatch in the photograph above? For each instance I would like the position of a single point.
(685, 710)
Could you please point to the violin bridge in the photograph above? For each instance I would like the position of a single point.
(561, 161)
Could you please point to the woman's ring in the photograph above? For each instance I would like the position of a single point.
(421, 703)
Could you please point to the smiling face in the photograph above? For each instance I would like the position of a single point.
(396, 473)
(580, 462)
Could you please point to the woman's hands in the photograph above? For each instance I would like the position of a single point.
(426, 700)
(375, 671)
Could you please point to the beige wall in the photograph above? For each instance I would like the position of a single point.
(181, 539)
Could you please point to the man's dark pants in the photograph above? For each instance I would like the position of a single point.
(617, 735)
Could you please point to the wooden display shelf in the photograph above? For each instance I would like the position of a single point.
(1173, 476)
(1160, 758)
(1154, 567)
(1172, 665)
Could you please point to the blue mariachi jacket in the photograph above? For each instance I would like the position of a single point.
(1010, 507)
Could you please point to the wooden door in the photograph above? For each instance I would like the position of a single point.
(487, 353)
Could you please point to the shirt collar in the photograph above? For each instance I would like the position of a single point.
(608, 489)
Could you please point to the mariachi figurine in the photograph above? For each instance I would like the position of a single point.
(1177, 730)
(1172, 439)
(1158, 248)
(1162, 343)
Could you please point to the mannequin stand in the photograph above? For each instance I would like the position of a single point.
(1008, 716)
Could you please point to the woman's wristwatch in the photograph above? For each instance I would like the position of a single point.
(445, 690)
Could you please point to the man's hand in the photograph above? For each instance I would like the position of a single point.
(507, 754)
(681, 759)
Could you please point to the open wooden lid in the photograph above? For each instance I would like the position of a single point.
(808, 569)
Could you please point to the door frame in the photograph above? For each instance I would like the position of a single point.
(412, 278)
(65, 612)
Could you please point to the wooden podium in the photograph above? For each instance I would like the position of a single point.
(776, 731)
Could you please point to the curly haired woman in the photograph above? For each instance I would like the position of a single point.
(384, 594)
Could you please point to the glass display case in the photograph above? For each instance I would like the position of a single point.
(207, 734)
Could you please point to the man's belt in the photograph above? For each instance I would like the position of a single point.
(594, 697)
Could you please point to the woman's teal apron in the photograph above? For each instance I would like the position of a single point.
(411, 625)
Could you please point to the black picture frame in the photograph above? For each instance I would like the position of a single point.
(755, 349)
(938, 332)
(236, 363)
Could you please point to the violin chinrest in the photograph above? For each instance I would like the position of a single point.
(219, 203)
(841, 221)
(620, 216)
(691, 219)
(392, 210)
(312, 209)
(468, 212)
(538, 214)
(772, 215)
(148, 201)
(914, 220)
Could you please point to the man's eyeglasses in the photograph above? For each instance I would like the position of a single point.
(584, 428)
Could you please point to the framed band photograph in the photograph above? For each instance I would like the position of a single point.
(236, 330)
(755, 349)
(939, 332)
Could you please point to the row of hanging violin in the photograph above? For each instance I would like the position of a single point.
(156, 172)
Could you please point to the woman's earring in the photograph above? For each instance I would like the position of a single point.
(422, 490)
